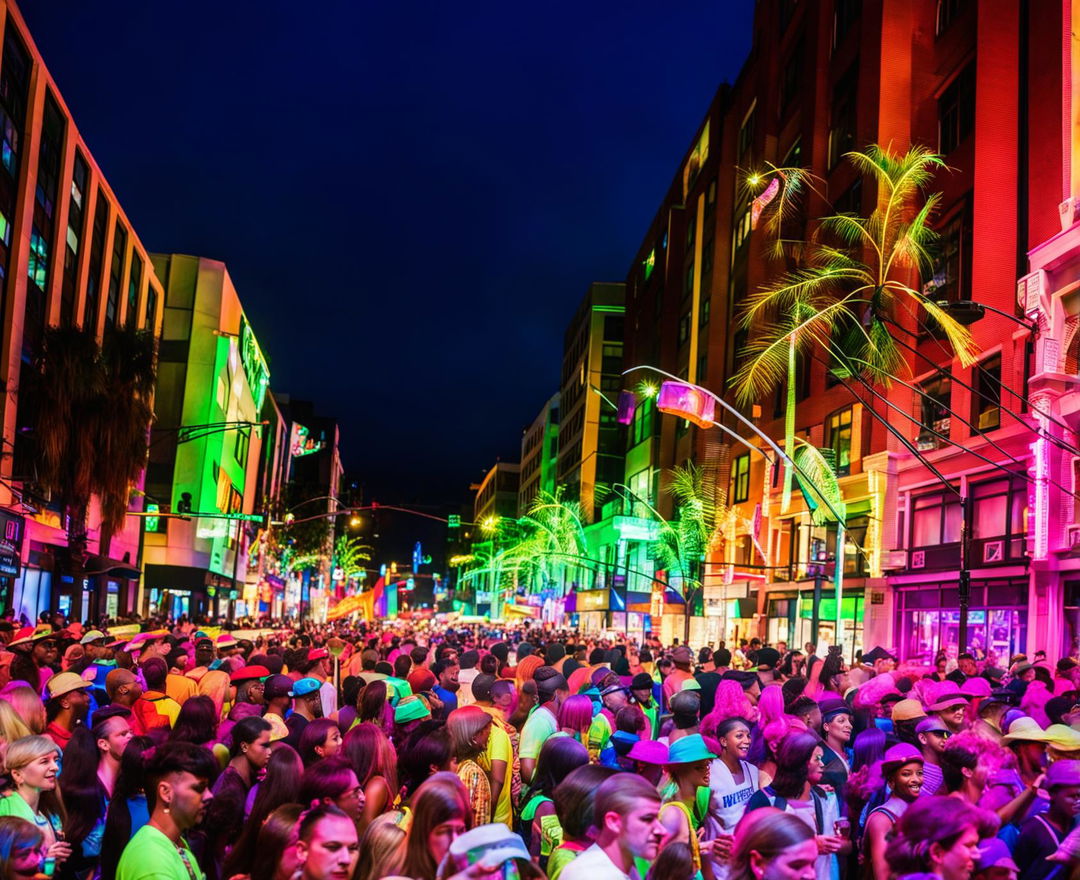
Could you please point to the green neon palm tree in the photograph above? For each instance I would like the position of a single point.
(857, 277)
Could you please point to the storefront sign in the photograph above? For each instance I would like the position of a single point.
(258, 376)
(592, 600)
(11, 537)
(877, 598)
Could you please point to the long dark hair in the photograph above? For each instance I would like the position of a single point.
(441, 798)
(370, 753)
(280, 786)
(129, 784)
(197, 721)
(428, 747)
(271, 837)
(559, 757)
(793, 763)
(314, 735)
(84, 795)
(371, 705)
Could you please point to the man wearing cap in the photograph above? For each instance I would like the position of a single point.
(682, 658)
(933, 734)
(226, 647)
(1041, 835)
(99, 663)
(612, 698)
(67, 704)
(307, 706)
(276, 692)
(644, 696)
(317, 665)
(879, 660)
(767, 661)
(836, 727)
(249, 682)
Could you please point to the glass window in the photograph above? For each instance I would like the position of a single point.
(97, 260)
(746, 137)
(134, 283)
(15, 67)
(986, 397)
(43, 222)
(80, 182)
(741, 232)
(934, 410)
(998, 509)
(952, 264)
(789, 81)
(644, 418)
(936, 519)
(956, 111)
(842, 137)
(740, 478)
(838, 439)
(116, 272)
(151, 308)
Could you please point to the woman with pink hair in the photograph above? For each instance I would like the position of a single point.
(575, 717)
(940, 836)
(730, 702)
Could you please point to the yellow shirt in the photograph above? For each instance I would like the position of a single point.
(499, 749)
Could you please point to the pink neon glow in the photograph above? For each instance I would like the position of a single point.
(687, 401)
(762, 201)
(1041, 526)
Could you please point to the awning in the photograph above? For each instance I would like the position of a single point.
(96, 565)
(183, 577)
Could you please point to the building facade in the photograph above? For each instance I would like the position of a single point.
(539, 455)
(206, 443)
(68, 256)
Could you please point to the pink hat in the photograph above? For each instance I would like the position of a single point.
(648, 751)
(898, 756)
(944, 695)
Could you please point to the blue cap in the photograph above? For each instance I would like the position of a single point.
(688, 750)
(304, 687)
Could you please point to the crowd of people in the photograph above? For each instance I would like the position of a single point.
(354, 752)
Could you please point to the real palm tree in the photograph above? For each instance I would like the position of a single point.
(94, 407)
(857, 278)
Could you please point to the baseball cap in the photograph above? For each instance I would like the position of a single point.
(278, 729)
(907, 710)
(225, 641)
(411, 709)
(649, 751)
(305, 686)
(246, 673)
(94, 635)
(490, 845)
(682, 655)
(933, 724)
(318, 654)
(278, 686)
(64, 683)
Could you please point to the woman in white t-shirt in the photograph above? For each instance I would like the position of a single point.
(732, 778)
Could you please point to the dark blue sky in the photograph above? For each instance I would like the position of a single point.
(411, 197)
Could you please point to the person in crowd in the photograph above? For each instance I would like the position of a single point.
(321, 739)
(327, 847)
(552, 691)
(685, 814)
(902, 770)
(836, 727)
(574, 801)
(274, 856)
(154, 708)
(177, 780)
(67, 705)
(128, 810)
(540, 829)
(124, 690)
(111, 731)
(441, 814)
(963, 769)
(382, 847)
(938, 836)
(1042, 834)
(732, 778)
(279, 787)
(31, 763)
(933, 736)
(333, 781)
(307, 706)
(627, 817)
(469, 729)
(682, 659)
(372, 758)
(248, 755)
(773, 845)
(22, 854)
(447, 687)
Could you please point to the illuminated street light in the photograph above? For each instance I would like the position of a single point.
(490, 524)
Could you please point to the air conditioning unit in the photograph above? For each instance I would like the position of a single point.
(994, 551)
(893, 560)
(918, 558)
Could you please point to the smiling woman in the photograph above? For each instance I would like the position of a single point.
(32, 763)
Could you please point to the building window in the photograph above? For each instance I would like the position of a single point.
(838, 439)
(845, 14)
(936, 519)
(705, 311)
(43, 222)
(947, 12)
(644, 419)
(794, 155)
(97, 260)
(684, 329)
(241, 446)
(151, 308)
(703, 364)
(116, 272)
(956, 111)
(746, 137)
(850, 200)
(934, 409)
(790, 78)
(691, 231)
(80, 182)
(741, 233)
(710, 198)
(998, 521)
(952, 267)
(842, 136)
(134, 282)
(986, 396)
(688, 279)
(740, 478)
(15, 69)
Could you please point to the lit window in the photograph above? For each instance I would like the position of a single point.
(838, 439)
(740, 478)
(956, 111)
(986, 397)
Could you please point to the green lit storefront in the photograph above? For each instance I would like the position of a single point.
(789, 617)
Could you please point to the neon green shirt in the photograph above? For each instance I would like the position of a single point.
(150, 855)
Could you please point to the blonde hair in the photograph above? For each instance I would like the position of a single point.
(28, 706)
(382, 847)
(27, 749)
(12, 727)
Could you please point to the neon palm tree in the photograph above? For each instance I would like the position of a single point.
(845, 298)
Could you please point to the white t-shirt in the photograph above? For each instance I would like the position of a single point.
(826, 866)
(594, 864)
(729, 800)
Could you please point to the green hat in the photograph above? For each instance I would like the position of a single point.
(689, 749)
(411, 709)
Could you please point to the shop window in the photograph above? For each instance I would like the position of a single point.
(986, 397)
(934, 408)
(838, 439)
(956, 111)
(936, 520)
(740, 479)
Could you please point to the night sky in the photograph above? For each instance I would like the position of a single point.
(411, 198)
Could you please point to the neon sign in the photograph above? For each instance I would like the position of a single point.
(255, 369)
(303, 443)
